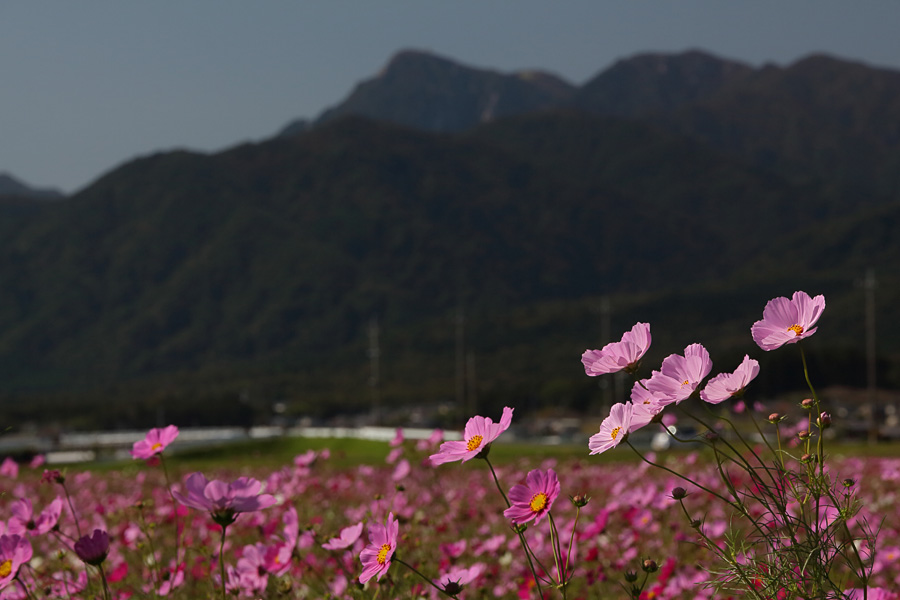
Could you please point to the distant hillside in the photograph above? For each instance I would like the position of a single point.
(182, 281)
(427, 92)
(12, 187)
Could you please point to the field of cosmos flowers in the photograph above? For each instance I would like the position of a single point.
(432, 518)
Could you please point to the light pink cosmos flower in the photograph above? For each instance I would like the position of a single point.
(617, 356)
(156, 441)
(23, 521)
(613, 429)
(478, 435)
(14, 552)
(346, 538)
(224, 500)
(680, 375)
(376, 557)
(534, 499)
(787, 321)
(646, 405)
(725, 385)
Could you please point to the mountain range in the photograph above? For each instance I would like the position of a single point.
(680, 189)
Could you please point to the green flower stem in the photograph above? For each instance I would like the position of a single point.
(106, 593)
(820, 444)
(222, 560)
(428, 581)
(162, 461)
(24, 587)
(572, 538)
(524, 543)
(146, 531)
(739, 507)
(72, 508)
(561, 578)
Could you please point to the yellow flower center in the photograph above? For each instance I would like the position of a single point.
(383, 553)
(5, 568)
(797, 329)
(473, 442)
(615, 432)
(538, 502)
(155, 446)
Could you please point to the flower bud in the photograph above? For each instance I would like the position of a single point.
(649, 566)
(679, 493)
(803, 434)
(824, 420)
(775, 417)
(806, 458)
(630, 576)
(808, 403)
(696, 523)
(580, 500)
(711, 436)
(452, 588)
(848, 482)
(519, 527)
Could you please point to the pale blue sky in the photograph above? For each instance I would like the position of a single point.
(86, 85)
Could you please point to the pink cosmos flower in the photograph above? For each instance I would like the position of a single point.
(398, 438)
(9, 468)
(646, 405)
(478, 435)
(725, 385)
(376, 557)
(613, 429)
(617, 356)
(23, 521)
(436, 437)
(346, 538)
(533, 499)
(155, 442)
(14, 552)
(787, 321)
(680, 375)
(251, 568)
(224, 500)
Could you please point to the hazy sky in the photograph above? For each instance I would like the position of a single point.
(86, 85)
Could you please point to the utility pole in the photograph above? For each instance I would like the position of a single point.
(609, 393)
(460, 322)
(471, 387)
(375, 368)
(871, 385)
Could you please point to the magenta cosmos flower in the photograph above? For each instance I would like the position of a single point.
(725, 385)
(14, 552)
(787, 321)
(617, 356)
(94, 548)
(478, 435)
(224, 500)
(155, 442)
(376, 557)
(680, 375)
(23, 520)
(533, 499)
(613, 429)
